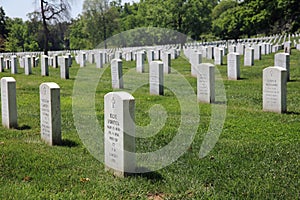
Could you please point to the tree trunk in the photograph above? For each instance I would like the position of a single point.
(46, 31)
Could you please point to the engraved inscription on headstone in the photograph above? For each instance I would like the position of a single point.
(206, 83)
(274, 89)
(50, 113)
(119, 133)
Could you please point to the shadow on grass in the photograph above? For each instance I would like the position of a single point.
(153, 176)
(68, 143)
(220, 102)
(292, 113)
(23, 127)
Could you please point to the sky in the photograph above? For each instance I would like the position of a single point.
(19, 8)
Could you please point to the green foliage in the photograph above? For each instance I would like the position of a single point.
(78, 35)
(3, 29)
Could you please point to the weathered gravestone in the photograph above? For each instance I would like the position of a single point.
(9, 102)
(233, 66)
(50, 113)
(283, 60)
(156, 78)
(196, 59)
(166, 59)
(28, 65)
(119, 133)
(64, 68)
(274, 89)
(117, 74)
(14, 65)
(249, 57)
(206, 83)
(44, 65)
(140, 62)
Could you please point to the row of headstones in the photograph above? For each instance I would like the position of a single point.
(101, 57)
(50, 116)
(119, 111)
(28, 62)
(119, 130)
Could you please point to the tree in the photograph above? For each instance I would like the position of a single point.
(101, 19)
(3, 29)
(52, 10)
(17, 35)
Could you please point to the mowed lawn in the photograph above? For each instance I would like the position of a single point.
(256, 157)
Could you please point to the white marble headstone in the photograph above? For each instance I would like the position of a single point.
(156, 78)
(233, 66)
(14, 65)
(117, 74)
(140, 62)
(206, 83)
(28, 65)
(283, 60)
(50, 113)
(119, 133)
(44, 65)
(274, 89)
(9, 102)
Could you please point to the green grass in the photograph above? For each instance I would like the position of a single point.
(257, 155)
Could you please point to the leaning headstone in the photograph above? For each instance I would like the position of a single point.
(44, 65)
(64, 68)
(283, 60)
(156, 78)
(50, 113)
(28, 65)
(206, 83)
(9, 102)
(233, 66)
(140, 62)
(166, 59)
(116, 74)
(274, 89)
(14, 66)
(249, 57)
(119, 133)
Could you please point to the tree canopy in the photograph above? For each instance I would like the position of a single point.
(51, 28)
